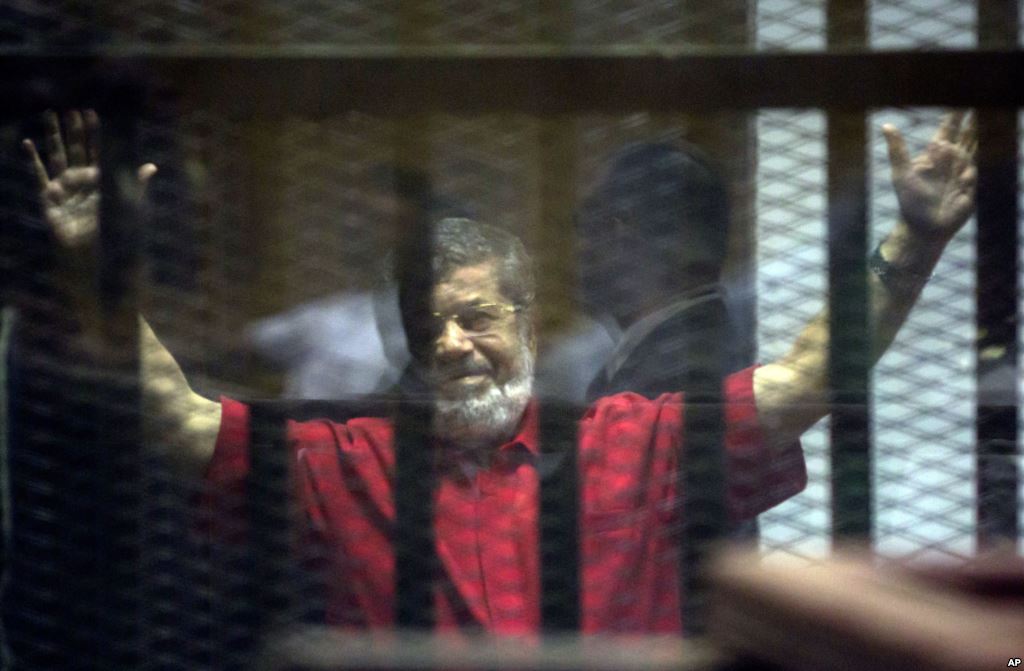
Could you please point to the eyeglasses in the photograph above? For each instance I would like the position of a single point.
(475, 320)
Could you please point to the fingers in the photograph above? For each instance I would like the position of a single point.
(81, 148)
(949, 129)
(145, 172)
(953, 146)
(75, 129)
(58, 160)
(36, 164)
(967, 178)
(969, 136)
(967, 181)
(899, 156)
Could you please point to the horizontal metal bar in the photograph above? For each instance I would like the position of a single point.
(465, 52)
(246, 82)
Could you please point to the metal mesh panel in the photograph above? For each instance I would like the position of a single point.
(794, 25)
(791, 289)
(924, 393)
(916, 25)
(923, 388)
(39, 25)
(377, 23)
(896, 24)
(781, 24)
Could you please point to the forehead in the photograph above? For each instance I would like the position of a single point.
(468, 284)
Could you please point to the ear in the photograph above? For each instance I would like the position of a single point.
(531, 332)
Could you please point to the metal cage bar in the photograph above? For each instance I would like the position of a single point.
(701, 475)
(849, 360)
(997, 368)
(416, 561)
(850, 351)
(271, 533)
(559, 511)
(997, 270)
(120, 578)
(410, 82)
(76, 548)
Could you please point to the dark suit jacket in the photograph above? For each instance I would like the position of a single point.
(689, 346)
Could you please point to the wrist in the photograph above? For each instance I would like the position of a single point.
(904, 260)
(909, 251)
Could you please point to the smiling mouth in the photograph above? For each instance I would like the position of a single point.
(461, 377)
(466, 376)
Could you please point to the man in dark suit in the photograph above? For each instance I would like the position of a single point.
(663, 203)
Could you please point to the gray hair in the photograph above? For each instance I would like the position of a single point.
(458, 242)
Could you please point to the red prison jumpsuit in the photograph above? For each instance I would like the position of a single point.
(486, 520)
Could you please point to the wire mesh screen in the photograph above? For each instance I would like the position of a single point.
(924, 431)
(791, 288)
(375, 23)
(923, 389)
(369, 433)
(779, 24)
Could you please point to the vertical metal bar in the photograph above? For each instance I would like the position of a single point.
(701, 478)
(114, 404)
(846, 24)
(848, 326)
(998, 472)
(38, 446)
(848, 367)
(559, 514)
(415, 554)
(76, 448)
(998, 23)
(271, 532)
(559, 491)
(998, 475)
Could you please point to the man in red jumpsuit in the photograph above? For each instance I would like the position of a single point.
(475, 350)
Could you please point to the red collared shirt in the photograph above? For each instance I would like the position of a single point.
(486, 519)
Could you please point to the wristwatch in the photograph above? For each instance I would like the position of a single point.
(896, 280)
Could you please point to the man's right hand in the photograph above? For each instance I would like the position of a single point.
(69, 194)
(175, 418)
(69, 182)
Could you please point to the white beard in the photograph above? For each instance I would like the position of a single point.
(489, 417)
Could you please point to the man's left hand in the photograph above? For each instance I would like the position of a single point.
(935, 189)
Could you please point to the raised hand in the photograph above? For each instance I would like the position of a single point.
(175, 417)
(69, 182)
(935, 189)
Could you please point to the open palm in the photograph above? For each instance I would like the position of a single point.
(935, 189)
(69, 182)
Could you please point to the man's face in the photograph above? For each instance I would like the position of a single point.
(480, 345)
(611, 274)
